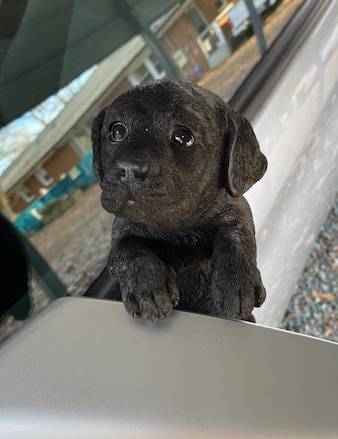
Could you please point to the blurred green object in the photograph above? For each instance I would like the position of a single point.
(19, 260)
(15, 273)
(20, 310)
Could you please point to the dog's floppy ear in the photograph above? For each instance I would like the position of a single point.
(96, 143)
(245, 163)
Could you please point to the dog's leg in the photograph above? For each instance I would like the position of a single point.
(193, 283)
(236, 286)
(148, 287)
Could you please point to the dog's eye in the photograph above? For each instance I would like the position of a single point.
(118, 132)
(183, 137)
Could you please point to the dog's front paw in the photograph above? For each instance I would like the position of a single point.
(236, 294)
(152, 300)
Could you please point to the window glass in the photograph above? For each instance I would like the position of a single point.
(60, 63)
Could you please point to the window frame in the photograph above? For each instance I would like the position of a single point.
(26, 194)
(39, 175)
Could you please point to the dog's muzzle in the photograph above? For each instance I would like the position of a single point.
(129, 172)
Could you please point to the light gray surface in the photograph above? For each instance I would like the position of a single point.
(85, 369)
(298, 131)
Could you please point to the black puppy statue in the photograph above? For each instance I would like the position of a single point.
(173, 162)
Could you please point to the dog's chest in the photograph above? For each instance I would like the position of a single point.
(185, 252)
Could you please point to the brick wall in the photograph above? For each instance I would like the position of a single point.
(208, 9)
(33, 185)
(61, 162)
(17, 203)
(183, 36)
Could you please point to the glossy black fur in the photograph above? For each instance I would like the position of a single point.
(186, 238)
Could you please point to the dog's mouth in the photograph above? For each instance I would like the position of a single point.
(134, 202)
(114, 201)
(131, 201)
(120, 200)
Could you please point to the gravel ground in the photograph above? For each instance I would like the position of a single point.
(313, 309)
(77, 244)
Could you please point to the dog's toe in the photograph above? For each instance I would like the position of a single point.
(152, 302)
(173, 292)
(247, 303)
(132, 306)
(231, 306)
(148, 307)
(249, 318)
(164, 304)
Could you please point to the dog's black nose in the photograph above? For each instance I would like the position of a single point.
(132, 170)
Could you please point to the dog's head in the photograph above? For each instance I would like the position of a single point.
(164, 150)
